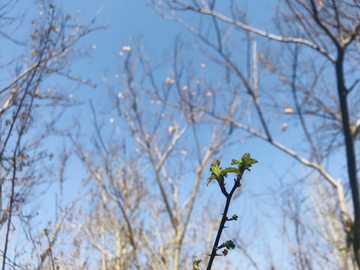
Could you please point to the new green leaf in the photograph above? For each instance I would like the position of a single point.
(245, 162)
(196, 264)
(216, 172)
(229, 245)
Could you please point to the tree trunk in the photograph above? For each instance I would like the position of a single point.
(176, 256)
(350, 152)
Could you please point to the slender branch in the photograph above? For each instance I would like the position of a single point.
(356, 129)
(352, 86)
(298, 108)
(224, 218)
(50, 251)
(11, 208)
(237, 71)
(254, 30)
(323, 26)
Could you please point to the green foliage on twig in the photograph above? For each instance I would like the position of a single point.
(196, 264)
(245, 163)
(219, 174)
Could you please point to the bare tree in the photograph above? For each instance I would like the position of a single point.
(311, 63)
(23, 129)
(178, 123)
(146, 216)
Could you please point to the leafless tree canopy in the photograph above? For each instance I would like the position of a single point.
(307, 70)
(24, 155)
(143, 202)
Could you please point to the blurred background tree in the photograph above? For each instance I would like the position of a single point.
(139, 201)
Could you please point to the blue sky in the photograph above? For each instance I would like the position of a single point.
(135, 22)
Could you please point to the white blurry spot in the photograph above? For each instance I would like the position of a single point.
(40, 13)
(121, 95)
(156, 149)
(49, 89)
(116, 76)
(79, 164)
(171, 130)
(197, 82)
(203, 65)
(158, 102)
(192, 93)
(41, 6)
(126, 48)
(169, 81)
(94, 46)
(184, 88)
(121, 53)
(163, 115)
(111, 120)
(148, 137)
(242, 140)
(151, 101)
(71, 96)
(284, 126)
(136, 149)
(208, 94)
(288, 110)
(183, 152)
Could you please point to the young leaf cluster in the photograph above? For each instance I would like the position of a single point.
(245, 163)
(229, 245)
(196, 264)
(219, 173)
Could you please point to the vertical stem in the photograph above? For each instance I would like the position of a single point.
(222, 224)
(10, 210)
(119, 258)
(255, 78)
(176, 255)
(350, 151)
(103, 261)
